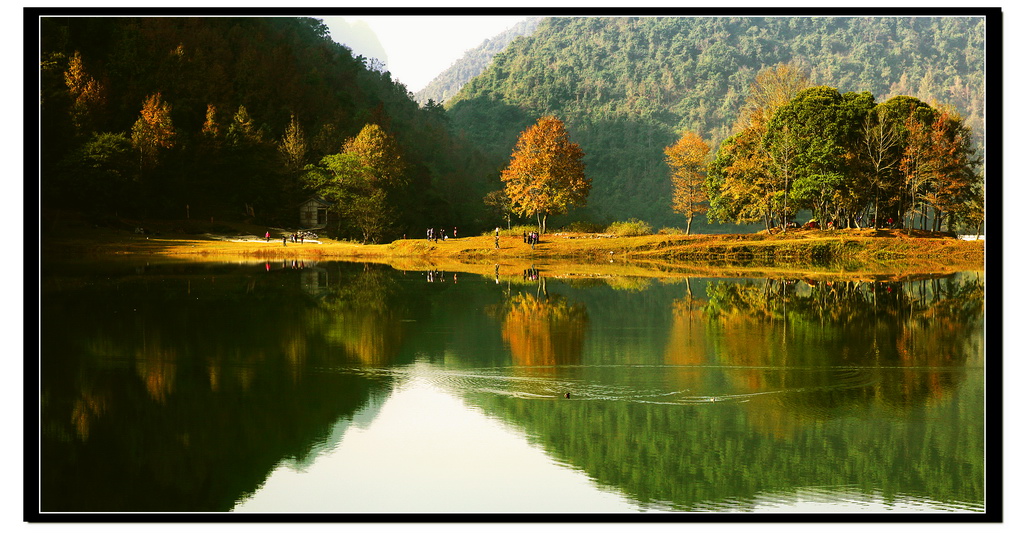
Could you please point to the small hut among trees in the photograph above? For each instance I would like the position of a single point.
(313, 213)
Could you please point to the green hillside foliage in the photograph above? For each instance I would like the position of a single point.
(626, 87)
(474, 62)
(235, 108)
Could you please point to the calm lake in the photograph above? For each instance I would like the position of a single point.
(303, 387)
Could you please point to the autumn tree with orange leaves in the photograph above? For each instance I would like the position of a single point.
(546, 176)
(938, 171)
(87, 94)
(153, 131)
(688, 160)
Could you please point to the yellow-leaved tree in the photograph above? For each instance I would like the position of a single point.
(154, 130)
(545, 176)
(688, 161)
(87, 94)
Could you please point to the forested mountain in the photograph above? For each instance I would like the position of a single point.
(448, 83)
(627, 87)
(169, 117)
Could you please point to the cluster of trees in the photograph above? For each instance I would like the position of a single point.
(845, 158)
(229, 117)
(627, 86)
(366, 182)
(175, 117)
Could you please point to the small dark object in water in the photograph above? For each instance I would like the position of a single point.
(566, 395)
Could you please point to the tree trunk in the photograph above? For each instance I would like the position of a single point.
(688, 220)
(875, 223)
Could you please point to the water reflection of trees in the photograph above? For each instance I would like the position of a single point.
(544, 330)
(687, 342)
(363, 315)
(180, 391)
(866, 386)
(827, 346)
(706, 457)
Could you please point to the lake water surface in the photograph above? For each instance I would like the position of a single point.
(299, 387)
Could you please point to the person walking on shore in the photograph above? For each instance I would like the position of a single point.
(268, 236)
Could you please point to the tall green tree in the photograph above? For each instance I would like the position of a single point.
(101, 175)
(821, 124)
(900, 112)
(363, 182)
(546, 172)
(880, 153)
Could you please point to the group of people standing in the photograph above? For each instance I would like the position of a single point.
(435, 235)
(531, 238)
(297, 237)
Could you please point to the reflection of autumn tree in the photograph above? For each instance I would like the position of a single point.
(933, 339)
(544, 331)
(360, 317)
(629, 283)
(156, 366)
(747, 328)
(825, 346)
(687, 341)
(90, 405)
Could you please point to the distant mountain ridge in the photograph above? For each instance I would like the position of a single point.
(627, 87)
(451, 80)
(359, 37)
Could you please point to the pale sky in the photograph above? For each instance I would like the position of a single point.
(420, 47)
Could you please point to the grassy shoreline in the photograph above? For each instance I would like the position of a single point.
(847, 254)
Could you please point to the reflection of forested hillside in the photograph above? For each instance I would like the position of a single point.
(181, 387)
(779, 385)
(702, 456)
(179, 391)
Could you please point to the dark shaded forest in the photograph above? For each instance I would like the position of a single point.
(217, 117)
